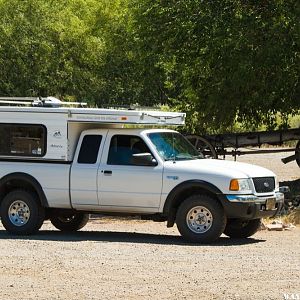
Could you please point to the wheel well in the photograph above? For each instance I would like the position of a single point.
(22, 181)
(179, 194)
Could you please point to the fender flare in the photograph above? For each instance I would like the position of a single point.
(28, 179)
(173, 199)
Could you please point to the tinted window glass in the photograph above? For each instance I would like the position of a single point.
(89, 149)
(22, 140)
(173, 146)
(122, 147)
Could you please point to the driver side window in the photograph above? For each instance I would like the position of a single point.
(122, 147)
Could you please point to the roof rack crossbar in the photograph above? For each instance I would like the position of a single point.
(23, 99)
(38, 101)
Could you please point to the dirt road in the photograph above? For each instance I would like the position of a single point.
(131, 259)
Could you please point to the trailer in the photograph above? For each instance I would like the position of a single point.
(220, 145)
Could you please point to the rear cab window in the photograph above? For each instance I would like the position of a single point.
(89, 149)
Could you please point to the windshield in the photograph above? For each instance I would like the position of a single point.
(173, 146)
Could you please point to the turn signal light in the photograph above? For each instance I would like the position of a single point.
(234, 185)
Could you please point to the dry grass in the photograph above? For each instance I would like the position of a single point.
(293, 217)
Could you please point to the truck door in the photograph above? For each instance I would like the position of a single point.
(124, 185)
(84, 169)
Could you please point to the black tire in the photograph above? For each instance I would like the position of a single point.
(21, 212)
(210, 222)
(69, 221)
(297, 153)
(237, 228)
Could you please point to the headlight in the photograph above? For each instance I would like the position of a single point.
(241, 185)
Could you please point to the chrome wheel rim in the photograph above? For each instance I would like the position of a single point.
(19, 213)
(199, 219)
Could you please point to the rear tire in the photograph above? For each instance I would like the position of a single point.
(69, 221)
(237, 228)
(21, 212)
(200, 219)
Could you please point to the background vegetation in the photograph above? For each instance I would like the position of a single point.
(224, 62)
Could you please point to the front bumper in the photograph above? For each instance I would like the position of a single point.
(251, 206)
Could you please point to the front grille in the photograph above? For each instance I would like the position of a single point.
(264, 184)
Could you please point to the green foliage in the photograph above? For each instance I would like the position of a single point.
(46, 47)
(226, 60)
(230, 64)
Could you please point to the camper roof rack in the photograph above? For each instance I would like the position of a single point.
(53, 102)
(38, 102)
(72, 113)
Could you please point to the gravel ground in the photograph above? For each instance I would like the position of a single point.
(133, 259)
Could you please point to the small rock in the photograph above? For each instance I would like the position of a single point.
(288, 226)
(277, 222)
(275, 227)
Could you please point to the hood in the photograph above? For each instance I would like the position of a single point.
(231, 169)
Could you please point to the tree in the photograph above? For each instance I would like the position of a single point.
(225, 60)
(48, 48)
(221, 61)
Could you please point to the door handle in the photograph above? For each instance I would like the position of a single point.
(107, 172)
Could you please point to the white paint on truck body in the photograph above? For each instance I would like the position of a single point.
(53, 178)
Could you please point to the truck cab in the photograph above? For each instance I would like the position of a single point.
(153, 172)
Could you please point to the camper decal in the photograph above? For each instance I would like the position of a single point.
(56, 146)
(57, 134)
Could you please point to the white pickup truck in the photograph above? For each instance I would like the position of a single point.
(154, 173)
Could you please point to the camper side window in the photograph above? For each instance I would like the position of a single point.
(22, 140)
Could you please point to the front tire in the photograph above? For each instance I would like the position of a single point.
(21, 212)
(200, 219)
(69, 221)
(237, 228)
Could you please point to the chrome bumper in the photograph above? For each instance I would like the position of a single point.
(279, 198)
(253, 207)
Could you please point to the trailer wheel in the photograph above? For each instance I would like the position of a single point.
(200, 219)
(69, 221)
(21, 212)
(203, 146)
(237, 228)
(297, 153)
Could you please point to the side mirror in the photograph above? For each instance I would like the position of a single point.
(143, 159)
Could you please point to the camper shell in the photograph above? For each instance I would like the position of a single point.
(51, 133)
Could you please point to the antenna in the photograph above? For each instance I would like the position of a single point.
(38, 102)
